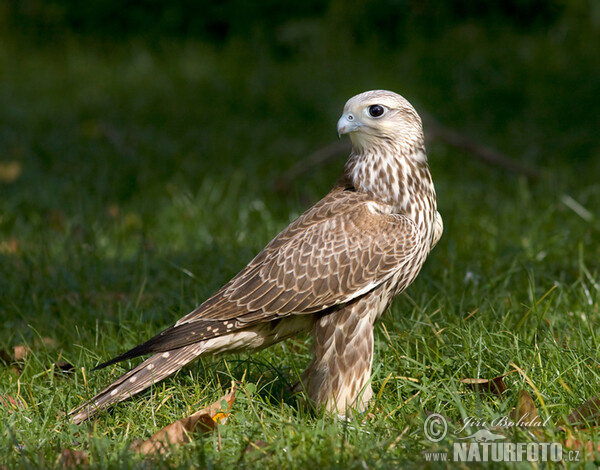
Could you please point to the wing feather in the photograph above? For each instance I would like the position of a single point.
(337, 250)
(331, 252)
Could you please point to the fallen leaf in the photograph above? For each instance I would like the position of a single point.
(20, 351)
(588, 412)
(10, 171)
(527, 414)
(73, 458)
(220, 418)
(178, 432)
(495, 385)
(207, 423)
(113, 211)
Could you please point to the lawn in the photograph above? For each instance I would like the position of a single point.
(137, 177)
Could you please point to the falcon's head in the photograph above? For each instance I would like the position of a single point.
(381, 118)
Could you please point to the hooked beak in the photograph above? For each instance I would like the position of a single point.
(347, 123)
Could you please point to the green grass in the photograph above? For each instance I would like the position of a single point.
(147, 182)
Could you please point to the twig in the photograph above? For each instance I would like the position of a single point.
(435, 131)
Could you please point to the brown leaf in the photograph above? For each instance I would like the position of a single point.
(73, 458)
(495, 385)
(179, 432)
(10, 171)
(20, 351)
(588, 412)
(527, 414)
(113, 211)
(172, 435)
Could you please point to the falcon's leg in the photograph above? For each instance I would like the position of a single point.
(339, 375)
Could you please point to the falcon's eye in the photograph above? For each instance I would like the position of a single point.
(376, 110)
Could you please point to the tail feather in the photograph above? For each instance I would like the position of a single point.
(174, 337)
(152, 370)
(163, 364)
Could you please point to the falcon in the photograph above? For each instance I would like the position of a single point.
(332, 271)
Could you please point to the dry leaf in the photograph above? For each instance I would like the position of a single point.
(495, 385)
(178, 432)
(10, 171)
(20, 351)
(588, 412)
(113, 211)
(527, 414)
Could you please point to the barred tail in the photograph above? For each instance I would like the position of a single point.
(163, 364)
(152, 370)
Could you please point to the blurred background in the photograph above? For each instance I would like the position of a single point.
(141, 142)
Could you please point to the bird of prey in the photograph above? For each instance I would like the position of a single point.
(332, 271)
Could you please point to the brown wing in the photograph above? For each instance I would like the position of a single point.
(338, 250)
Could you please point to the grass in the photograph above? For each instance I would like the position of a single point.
(144, 183)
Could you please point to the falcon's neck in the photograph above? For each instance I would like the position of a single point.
(397, 178)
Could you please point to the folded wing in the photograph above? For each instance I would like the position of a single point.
(338, 250)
